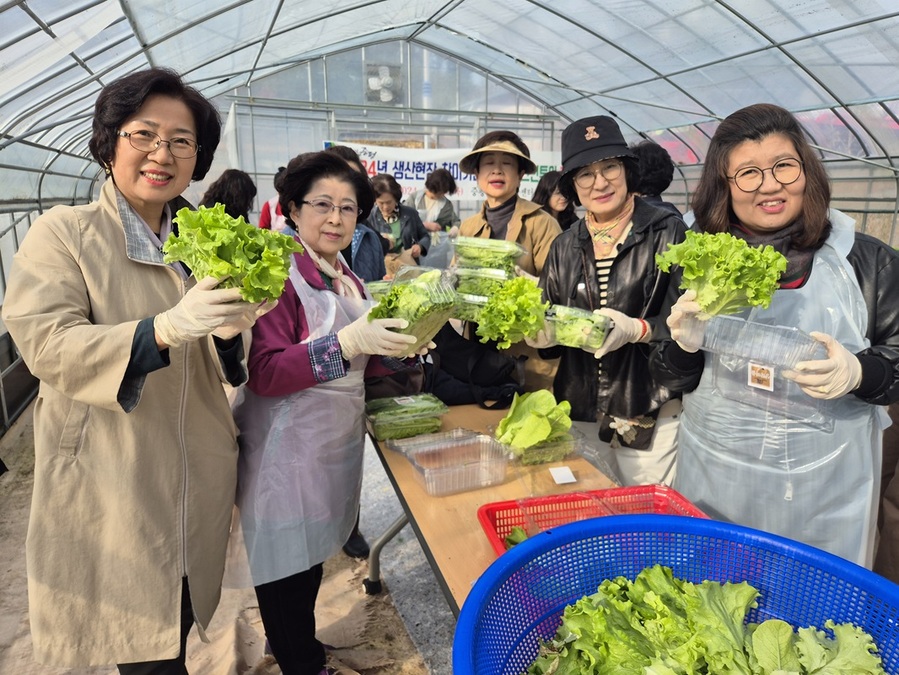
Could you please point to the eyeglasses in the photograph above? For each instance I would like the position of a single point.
(324, 207)
(147, 141)
(750, 178)
(586, 177)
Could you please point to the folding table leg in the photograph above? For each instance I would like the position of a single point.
(373, 582)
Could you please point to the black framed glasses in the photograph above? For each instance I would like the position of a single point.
(147, 141)
(586, 176)
(324, 207)
(750, 178)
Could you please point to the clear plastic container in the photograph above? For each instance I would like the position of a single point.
(428, 317)
(551, 451)
(576, 327)
(487, 253)
(378, 289)
(480, 281)
(779, 346)
(468, 307)
(404, 416)
(408, 445)
(449, 466)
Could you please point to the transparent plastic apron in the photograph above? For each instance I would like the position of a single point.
(301, 456)
(812, 477)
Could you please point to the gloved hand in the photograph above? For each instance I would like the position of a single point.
(374, 337)
(625, 330)
(245, 321)
(203, 309)
(527, 275)
(543, 339)
(835, 376)
(686, 305)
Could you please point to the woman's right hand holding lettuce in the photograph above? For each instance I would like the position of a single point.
(685, 307)
(373, 336)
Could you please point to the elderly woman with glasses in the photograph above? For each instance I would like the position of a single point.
(301, 416)
(605, 262)
(797, 453)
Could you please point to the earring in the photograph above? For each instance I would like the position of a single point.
(107, 168)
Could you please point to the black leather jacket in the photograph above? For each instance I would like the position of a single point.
(637, 288)
(876, 267)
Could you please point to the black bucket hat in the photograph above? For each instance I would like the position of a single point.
(591, 139)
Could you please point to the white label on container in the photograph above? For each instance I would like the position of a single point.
(760, 376)
(562, 474)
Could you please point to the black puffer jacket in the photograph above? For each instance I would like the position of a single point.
(636, 288)
(876, 267)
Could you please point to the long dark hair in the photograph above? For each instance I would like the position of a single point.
(711, 201)
(544, 191)
(121, 98)
(235, 189)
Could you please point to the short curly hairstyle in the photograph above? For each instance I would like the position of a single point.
(655, 168)
(305, 169)
(442, 181)
(123, 97)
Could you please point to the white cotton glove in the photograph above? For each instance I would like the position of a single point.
(245, 321)
(686, 305)
(202, 310)
(374, 337)
(544, 339)
(835, 376)
(625, 330)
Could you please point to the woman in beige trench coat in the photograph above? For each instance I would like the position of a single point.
(135, 451)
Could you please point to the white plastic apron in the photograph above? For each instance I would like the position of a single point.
(816, 483)
(300, 466)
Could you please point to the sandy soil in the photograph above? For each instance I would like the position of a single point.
(368, 635)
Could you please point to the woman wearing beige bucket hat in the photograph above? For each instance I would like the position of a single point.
(606, 263)
(499, 159)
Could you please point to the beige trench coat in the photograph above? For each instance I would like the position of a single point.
(133, 486)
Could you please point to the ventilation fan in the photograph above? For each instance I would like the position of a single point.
(383, 84)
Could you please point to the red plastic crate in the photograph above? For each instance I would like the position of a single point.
(536, 514)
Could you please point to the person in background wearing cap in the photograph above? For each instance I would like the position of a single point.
(605, 262)
(500, 159)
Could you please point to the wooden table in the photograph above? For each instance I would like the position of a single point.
(447, 527)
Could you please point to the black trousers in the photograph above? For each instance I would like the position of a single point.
(287, 608)
(170, 666)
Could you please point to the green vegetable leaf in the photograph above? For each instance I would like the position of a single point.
(425, 301)
(212, 243)
(516, 535)
(534, 418)
(514, 311)
(772, 645)
(727, 274)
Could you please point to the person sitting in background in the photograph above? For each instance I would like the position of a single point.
(548, 195)
(271, 218)
(400, 225)
(606, 263)
(436, 211)
(235, 189)
(365, 256)
(655, 173)
(797, 455)
(301, 418)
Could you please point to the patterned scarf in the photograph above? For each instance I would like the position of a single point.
(343, 285)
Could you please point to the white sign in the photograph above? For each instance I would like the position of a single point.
(410, 167)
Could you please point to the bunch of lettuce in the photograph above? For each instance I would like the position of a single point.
(575, 327)
(534, 418)
(514, 311)
(404, 416)
(486, 281)
(727, 274)
(480, 252)
(660, 625)
(425, 301)
(212, 243)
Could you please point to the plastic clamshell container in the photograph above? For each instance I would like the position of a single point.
(449, 466)
(576, 327)
(407, 445)
(537, 514)
(480, 281)
(546, 452)
(441, 301)
(772, 345)
(404, 416)
(468, 307)
(487, 253)
(378, 289)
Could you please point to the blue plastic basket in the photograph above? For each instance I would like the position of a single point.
(521, 596)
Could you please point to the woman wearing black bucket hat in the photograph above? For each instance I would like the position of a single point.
(606, 263)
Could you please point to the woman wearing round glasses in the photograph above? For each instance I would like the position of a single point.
(797, 452)
(605, 262)
(301, 416)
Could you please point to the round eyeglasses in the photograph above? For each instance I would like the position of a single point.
(586, 177)
(147, 141)
(324, 207)
(750, 178)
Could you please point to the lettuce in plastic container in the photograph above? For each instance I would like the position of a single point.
(480, 252)
(212, 243)
(576, 327)
(516, 310)
(423, 297)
